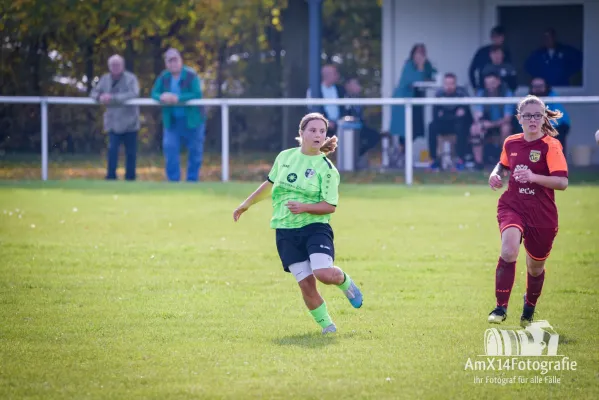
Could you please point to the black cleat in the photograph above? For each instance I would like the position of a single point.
(527, 314)
(498, 315)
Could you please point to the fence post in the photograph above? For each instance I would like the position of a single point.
(224, 115)
(409, 143)
(44, 117)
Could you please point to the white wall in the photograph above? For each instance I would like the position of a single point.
(452, 31)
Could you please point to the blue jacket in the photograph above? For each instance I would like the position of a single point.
(556, 70)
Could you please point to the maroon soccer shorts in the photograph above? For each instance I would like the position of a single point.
(537, 241)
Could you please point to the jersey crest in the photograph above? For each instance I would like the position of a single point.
(535, 155)
(309, 173)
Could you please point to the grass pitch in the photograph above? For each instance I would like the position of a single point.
(149, 290)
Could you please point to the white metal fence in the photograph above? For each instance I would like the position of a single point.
(224, 104)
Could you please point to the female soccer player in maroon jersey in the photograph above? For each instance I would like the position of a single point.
(527, 210)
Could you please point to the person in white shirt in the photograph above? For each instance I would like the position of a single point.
(329, 89)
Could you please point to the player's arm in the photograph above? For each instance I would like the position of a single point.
(551, 182)
(500, 170)
(259, 194)
(321, 208)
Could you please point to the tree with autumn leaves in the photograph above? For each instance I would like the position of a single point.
(249, 48)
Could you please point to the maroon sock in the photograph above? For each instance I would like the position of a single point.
(534, 286)
(504, 281)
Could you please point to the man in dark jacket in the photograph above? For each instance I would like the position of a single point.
(482, 57)
(450, 119)
(499, 66)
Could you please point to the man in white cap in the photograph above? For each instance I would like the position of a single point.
(175, 85)
(120, 121)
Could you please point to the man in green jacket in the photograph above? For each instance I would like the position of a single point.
(179, 84)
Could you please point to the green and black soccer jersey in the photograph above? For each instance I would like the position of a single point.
(307, 179)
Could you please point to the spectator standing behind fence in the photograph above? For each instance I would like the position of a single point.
(482, 57)
(539, 88)
(555, 62)
(417, 68)
(492, 122)
(120, 121)
(179, 84)
(329, 89)
(499, 66)
(451, 119)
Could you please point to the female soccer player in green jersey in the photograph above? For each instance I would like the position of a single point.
(304, 195)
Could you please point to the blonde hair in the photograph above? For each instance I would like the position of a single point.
(550, 115)
(330, 144)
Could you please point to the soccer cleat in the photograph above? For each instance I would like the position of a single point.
(527, 314)
(354, 295)
(329, 329)
(497, 316)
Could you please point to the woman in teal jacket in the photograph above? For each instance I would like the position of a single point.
(417, 68)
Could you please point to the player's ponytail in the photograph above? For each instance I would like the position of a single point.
(329, 145)
(550, 115)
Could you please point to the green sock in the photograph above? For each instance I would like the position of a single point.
(321, 315)
(345, 283)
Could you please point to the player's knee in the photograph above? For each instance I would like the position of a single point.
(536, 270)
(322, 267)
(325, 276)
(509, 251)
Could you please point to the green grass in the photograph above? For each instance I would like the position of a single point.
(149, 290)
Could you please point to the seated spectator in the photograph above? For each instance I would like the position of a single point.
(491, 122)
(369, 137)
(499, 66)
(329, 89)
(555, 62)
(482, 57)
(450, 120)
(540, 88)
(417, 68)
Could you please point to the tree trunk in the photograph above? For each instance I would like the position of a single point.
(295, 65)
(129, 51)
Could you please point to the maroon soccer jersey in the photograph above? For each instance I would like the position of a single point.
(533, 202)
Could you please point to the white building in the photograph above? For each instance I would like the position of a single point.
(454, 29)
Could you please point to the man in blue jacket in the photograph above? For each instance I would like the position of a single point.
(540, 88)
(175, 85)
(555, 62)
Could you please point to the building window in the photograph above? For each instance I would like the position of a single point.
(529, 29)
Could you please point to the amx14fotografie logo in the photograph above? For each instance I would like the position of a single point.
(533, 349)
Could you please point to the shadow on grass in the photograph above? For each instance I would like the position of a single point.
(312, 340)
